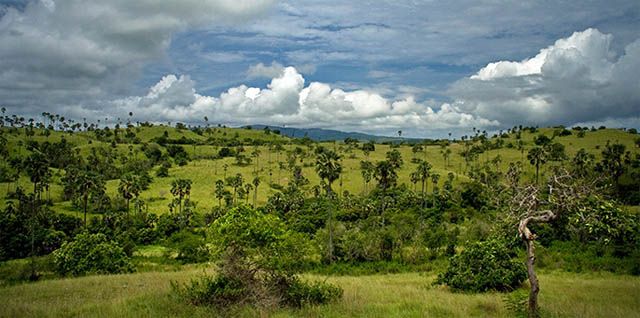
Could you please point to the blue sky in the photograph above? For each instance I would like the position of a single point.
(371, 66)
(385, 43)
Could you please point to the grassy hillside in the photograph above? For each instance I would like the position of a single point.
(397, 295)
(204, 172)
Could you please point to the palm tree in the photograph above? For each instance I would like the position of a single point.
(37, 167)
(328, 166)
(582, 162)
(446, 153)
(219, 191)
(247, 190)
(180, 188)
(395, 158)
(414, 179)
(366, 168)
(88, 183)
(423, 171)
(434, 179)
(236, 183)
(256, 154)
(537, 156)
(129, 187)
(256, 183)
(385, 174)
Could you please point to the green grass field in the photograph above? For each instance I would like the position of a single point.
(398, 295)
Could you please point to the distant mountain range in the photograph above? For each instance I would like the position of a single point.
(319, 134)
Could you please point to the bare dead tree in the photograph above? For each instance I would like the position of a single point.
(531, 204)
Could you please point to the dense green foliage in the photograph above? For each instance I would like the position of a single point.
(30, 229)
(483, 266)
(91, 254)
(258, 260)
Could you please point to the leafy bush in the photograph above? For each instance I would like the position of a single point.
(605, 224)
(297, 293)
(191, 248)
(220, 291)
(484, 266)
(163, 170)
(258, 260)
(91, 253)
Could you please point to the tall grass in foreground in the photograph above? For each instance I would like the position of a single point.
(398, 295)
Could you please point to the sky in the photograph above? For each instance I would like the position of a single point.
(427, 68)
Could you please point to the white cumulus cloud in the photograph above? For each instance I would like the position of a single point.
(577, 79)
(287, 101)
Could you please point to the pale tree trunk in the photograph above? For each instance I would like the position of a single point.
(529, 239)
(533, 278)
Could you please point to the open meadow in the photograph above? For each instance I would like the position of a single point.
(391, 295)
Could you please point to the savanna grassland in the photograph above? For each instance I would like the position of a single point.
(204, 172)
(388, 230)
(392, 295)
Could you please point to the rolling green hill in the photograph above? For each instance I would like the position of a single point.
(267, 165)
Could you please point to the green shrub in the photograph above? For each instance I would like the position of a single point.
(298, 293)
(484, 266)
(191, 248)
(91, 253)
(219, 291)
(162, 172)
(258, 261)
(222, 292)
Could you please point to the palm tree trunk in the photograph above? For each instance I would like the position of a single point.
(255, 196)
(330, 235)
(433, 193)
(85, 198)
(423, 192)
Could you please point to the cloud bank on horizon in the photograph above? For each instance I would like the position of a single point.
(82, 58)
